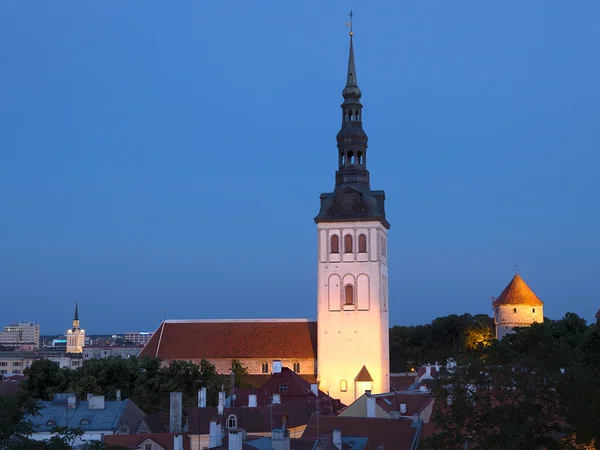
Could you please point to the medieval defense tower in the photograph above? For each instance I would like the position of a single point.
(352, 292)
(517, 306)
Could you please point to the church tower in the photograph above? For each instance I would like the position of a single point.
(352, 292)
(75, 335)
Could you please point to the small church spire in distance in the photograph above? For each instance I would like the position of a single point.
(351, 89)
(76, 311)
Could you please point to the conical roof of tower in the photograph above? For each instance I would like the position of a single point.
(517, 293)
(363, 375)
(76, 317)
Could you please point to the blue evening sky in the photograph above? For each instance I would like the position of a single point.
(170, 155)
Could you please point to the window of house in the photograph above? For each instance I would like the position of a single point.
(3, 364)
(84, 422)
(348, 244)
(362, 244)
(16, 363)
(343, 385)
(283, 387)
(335, 244)
(265, 367)
(297, 367)
(515, 310)
(349, 295)
(147, 446)
(3, 371)
(16, 372)
(232, 421)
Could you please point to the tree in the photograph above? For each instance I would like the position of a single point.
(536, 388)
(44, 378)
(241, 374)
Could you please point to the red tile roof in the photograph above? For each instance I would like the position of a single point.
(401, 381)
(261, 338)
(517, 293)
(381, 433)
(415, 401)
(134, 441)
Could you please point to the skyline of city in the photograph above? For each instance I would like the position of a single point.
(176, 166)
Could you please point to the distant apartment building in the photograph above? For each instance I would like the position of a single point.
(106, 351)
(21, 333)
(15, 362)
(138, 337)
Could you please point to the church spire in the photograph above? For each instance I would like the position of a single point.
(76, 317)
(352, 139)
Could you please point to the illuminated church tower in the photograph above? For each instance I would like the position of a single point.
(352, 320)
(76, 335)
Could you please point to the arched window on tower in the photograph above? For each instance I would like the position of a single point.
(348, 244)
(350, 158)
(362, 243)
(334, 244)
(359, 158)
(349, 295)
(343, 385)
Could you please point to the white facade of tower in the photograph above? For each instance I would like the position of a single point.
(352, 332)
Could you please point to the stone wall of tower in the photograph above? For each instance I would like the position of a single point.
(350, 337)
(507, 317)
(75, 340)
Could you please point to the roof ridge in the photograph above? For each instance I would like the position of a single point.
(236, 320)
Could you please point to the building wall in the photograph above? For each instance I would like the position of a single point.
(352, 336)
(254, 365)
(75, 340)
(359, 409)
(96, 352)
(14, 363)
(507, 317)
(138, 337)
(21, 333)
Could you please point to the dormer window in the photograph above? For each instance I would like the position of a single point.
(232, 421)
(283, 387)
(51, 423)
(348, 243)
(84, 422)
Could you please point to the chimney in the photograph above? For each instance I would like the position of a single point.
(276, 399)
(427, 371)
(221, 406)
(280, 440)
(215, 436)
(314, 388)
(202, 398)
(337, 439)
(235, 439)
(276, 366)
(118, 396)
(422, 388)
(403, 408)
(178, 442)
(95, 401)
(89, 396)
(371, 402)
(252, 403)
(71, 401)
(175, 412)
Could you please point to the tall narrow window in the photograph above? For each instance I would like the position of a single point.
(297, 367)
(343, 385)
(335, 244)
(348, 244)
(349, 295)
(515, 310)
(362, 244)
(232, 421)
(265, 367)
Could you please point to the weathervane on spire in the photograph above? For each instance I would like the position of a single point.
(517, 269)
(349, 24)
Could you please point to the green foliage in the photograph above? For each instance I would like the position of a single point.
(537, 388)
(241, 374)
(444, 338)
(143, 380)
